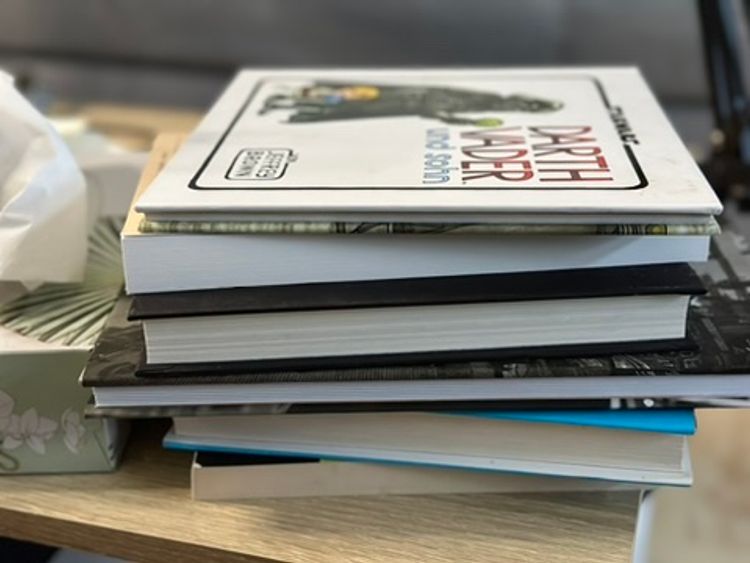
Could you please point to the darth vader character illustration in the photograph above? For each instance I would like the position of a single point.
(335, 101)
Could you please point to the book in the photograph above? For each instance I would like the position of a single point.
(196, 253)
(718, 366)
(385, 321)
(216, 476)
(615, 404)
(375, 228)
(614, 446)
(221, 476)
(576, 145)
(680, 421)
(167, 262)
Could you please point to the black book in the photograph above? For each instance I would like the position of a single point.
(424, 320)
(719, 323)
(458, 407)
(657, 279)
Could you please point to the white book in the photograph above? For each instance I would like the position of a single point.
(703, 385)
(580, 145)
(449, 441)
(227, 477)
(313, 176)
(288, 337)
(183, 262)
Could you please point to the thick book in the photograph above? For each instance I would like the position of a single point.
(200, 260)
(274, 253)
(183, 262)
(221, 476)
(614, 446)
(718, 367)
(364, 321)
(129, 347)
(573, 145)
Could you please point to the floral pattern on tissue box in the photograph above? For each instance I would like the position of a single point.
(42, 427)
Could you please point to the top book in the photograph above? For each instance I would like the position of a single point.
(565, 145)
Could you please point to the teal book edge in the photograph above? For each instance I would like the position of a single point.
(677, 421)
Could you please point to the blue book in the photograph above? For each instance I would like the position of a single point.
(673, 421)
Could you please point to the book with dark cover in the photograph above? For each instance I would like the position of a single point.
(163, 411)
(719, 322)
(118, 359)
(334, 368)
(675, 279)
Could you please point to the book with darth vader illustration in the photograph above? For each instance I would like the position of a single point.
(575, 145)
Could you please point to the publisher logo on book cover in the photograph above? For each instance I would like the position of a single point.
(260, 164)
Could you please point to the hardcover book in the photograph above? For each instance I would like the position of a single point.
(206, 255)
(439, 319)
(576, 145)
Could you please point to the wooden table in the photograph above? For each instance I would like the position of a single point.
(144, 512)
(711, 520)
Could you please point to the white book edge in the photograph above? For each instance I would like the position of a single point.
(334, 478)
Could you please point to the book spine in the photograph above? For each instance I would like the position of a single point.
(359, 228)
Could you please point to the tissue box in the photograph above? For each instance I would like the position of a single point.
(42, 429)
(45, 339)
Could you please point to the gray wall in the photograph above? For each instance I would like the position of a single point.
(182, 51)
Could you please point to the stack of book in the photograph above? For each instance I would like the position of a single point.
(424, 272)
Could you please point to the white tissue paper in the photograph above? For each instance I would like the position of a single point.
(43, 216)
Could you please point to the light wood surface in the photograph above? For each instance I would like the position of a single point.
(711, 520)
(164, 147)
(143, 512)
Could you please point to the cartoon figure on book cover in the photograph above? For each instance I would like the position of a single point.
(334, 101)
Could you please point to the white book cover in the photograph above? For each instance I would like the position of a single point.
(409, 141)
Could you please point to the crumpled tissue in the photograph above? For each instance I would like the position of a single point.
(43, 215)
